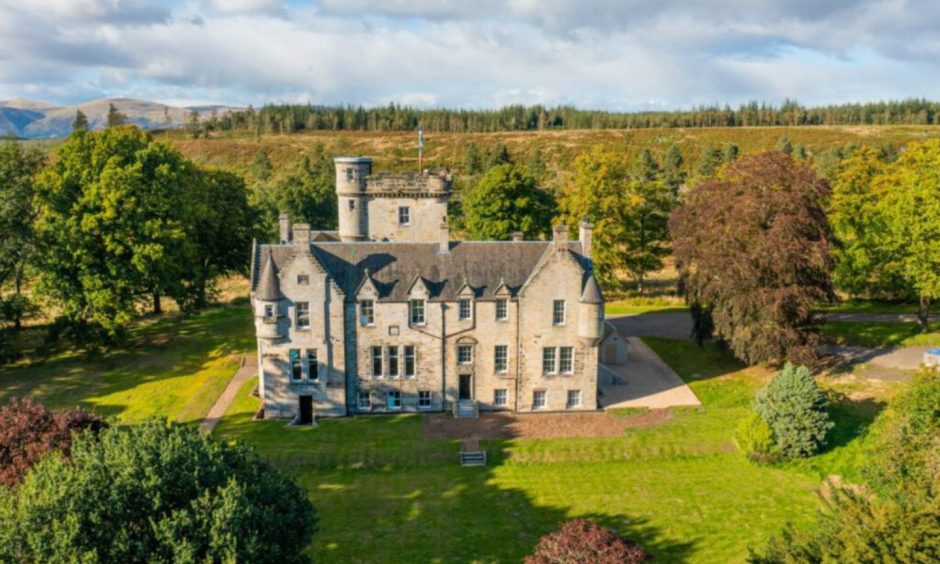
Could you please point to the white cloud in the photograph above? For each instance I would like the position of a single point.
(619, 55)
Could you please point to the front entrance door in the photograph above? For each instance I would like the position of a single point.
(465, 386)
(306, 410)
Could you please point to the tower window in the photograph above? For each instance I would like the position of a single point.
(404, 215)
(350, 174)
(352, 205)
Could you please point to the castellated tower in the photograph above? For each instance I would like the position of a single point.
(389, 207)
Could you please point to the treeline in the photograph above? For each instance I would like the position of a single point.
(290, 118)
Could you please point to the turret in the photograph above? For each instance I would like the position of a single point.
(591, 312)
(268, 303)
(351, 173)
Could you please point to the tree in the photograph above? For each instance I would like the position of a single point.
(674, 169)
(306, 192)
(114, 227)
(630, 216)
(710, 161)
(580, 540)
(753, 251)
(29, 431)
(18, 169)
(155, 492)
(115, 118)
(732, 152)
(795, 409)
(507, 198)
(784, 145)
(646, 168)
(193, 126)
(80, 123)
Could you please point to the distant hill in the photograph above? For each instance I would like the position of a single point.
(34, 119)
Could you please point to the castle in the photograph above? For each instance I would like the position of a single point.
(388, 314)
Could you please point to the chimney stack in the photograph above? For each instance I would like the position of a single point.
(516, 236)
(301, 237)
(444, 237)
(586, 236)
(283, 221)
(560, 237)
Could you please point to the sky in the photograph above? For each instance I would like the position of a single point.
(620, 55)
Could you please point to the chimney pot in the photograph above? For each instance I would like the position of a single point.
(444, 243)
(516, 236)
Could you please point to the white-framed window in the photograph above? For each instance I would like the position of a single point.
(574, 399)
(501, 358)
(296, 365)
(404, 215)
(416, 312)
(464, 309)
(349, 174)
(303, 315)
(549, 364)
(352, 205)
(393, 399)
(538, 399)
(366, 312)
(502, 309)
(411, 361)
(500, 397)
(303, 279)
(424, 399)
(464, 354)
(376, 361)
(364, 401)
(393, 362)
(558, 312)
(566, 360)
(269, 313)
(313, 365)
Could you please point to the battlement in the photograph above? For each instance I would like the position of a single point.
(426, 182)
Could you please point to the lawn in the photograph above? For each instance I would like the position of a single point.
(879, 334)
(681, 487)
(175, 367)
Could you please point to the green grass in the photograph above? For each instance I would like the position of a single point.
(174, 367)
(868, 306)
(631, 306)
(879, 334)
(681, 487)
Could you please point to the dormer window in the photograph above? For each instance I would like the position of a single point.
(465, 309)
(366, 313)
(404, 215)
(416, 312)
(558, 312)
(502, 313)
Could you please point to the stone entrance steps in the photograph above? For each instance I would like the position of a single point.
(466, 408)
(471, 454)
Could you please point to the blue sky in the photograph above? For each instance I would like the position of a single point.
(619, 55)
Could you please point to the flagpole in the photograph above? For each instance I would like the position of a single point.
(420, 150)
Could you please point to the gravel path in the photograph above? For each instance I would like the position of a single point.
(875, 317)
(247, 370)
(668, 324)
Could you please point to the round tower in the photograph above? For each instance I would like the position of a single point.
(351, 173)
(591, 312)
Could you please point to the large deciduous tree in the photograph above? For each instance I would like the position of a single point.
(754, 253)
(630, 215)
(155, 493)
(507, 198)
(18, 169)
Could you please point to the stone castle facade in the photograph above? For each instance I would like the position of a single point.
(388, 314)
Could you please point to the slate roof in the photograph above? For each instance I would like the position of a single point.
(393, 266)
(592, 292)
(268, 289)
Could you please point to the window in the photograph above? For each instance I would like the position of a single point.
(464, 354)
(303, 315)
(417, 312)
(313, 366)
(558, 312)
(393, 362)
(376, 361)
(566, 360)
(502, 312)
(424, 399)
(548, 360)
(499, 397)
(501, 358)
(296, 367)
(404, 215)
(349, 174)
(352, 205)
(574, 399)
(393, 399)
(538, 399)
(303, 280)
(269, 315)
(364, 401)
(366, 312)
(409, 361)
(464, 309)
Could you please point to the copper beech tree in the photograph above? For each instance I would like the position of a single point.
(753, 250)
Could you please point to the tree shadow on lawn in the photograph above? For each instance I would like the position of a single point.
(170, 348)
(851, 418)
